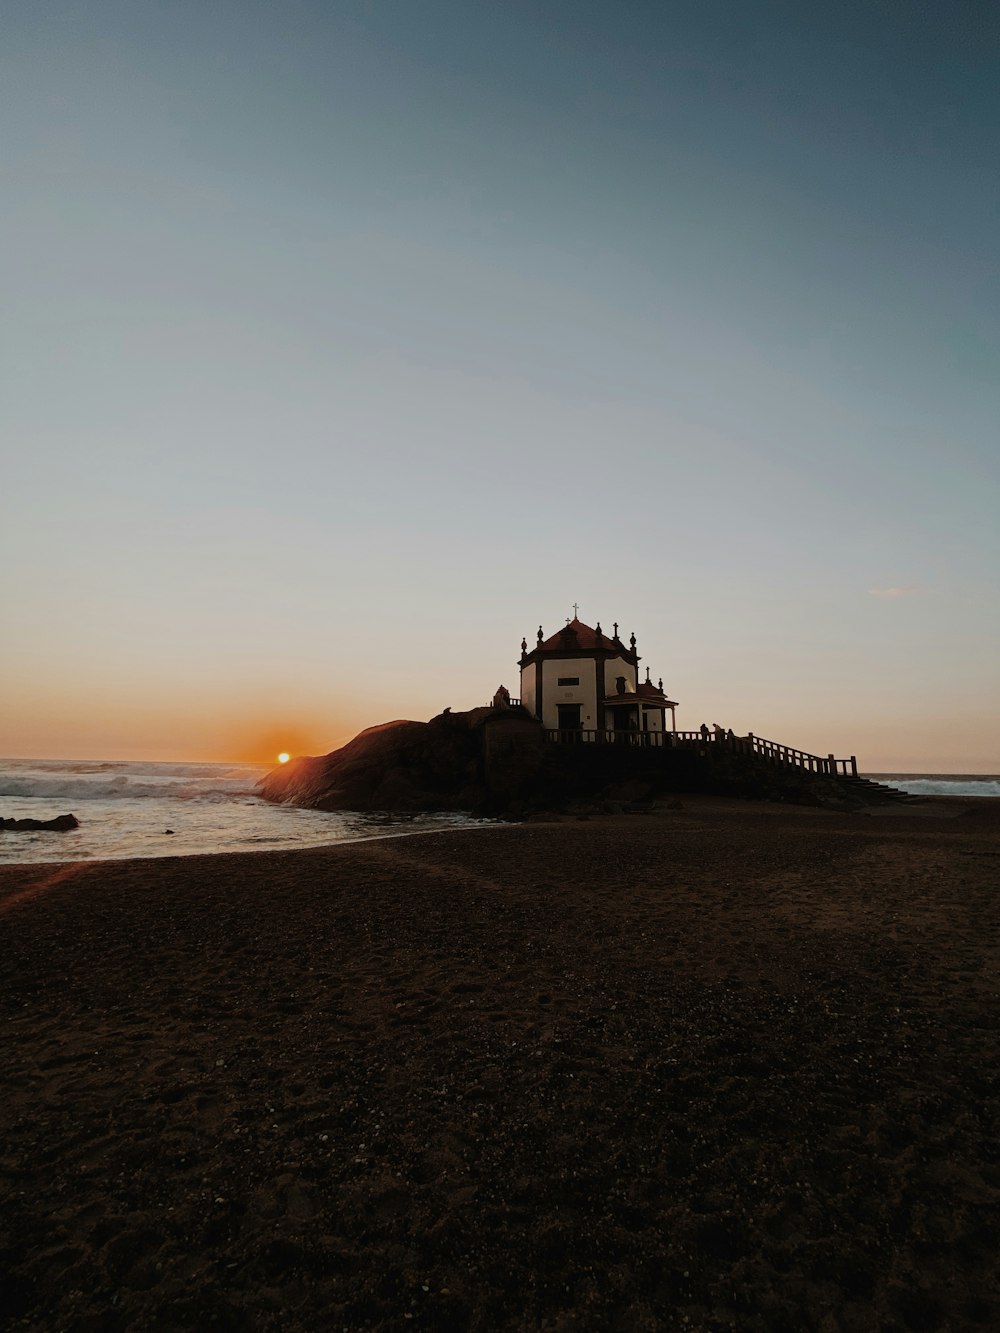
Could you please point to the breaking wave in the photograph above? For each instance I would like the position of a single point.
(142, 809)
(959, 784)
(108, 782)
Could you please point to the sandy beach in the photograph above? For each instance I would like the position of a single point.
(732, 1066)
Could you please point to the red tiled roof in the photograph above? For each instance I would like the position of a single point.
(646, 693)
(649, 690)
(585, 638)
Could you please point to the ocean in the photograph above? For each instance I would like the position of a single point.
(125, 810)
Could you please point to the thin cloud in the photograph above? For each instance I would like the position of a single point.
(905, 590)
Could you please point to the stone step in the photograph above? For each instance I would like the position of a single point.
(889, 793)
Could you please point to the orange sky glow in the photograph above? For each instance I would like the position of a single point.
(173, 721)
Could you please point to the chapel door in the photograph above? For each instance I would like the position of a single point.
(569, 717)
(626, 724)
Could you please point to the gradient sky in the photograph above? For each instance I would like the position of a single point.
(342, 343)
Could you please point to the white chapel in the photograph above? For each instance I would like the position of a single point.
(580, 679)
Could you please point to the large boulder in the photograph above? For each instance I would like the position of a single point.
(444, 764)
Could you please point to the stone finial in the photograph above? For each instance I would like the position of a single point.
(539, 634)
(632, 641)
(659, 684)
(597, 631)
(648, 681)
(524, 645)
(616, 631)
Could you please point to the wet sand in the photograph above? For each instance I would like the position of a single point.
(732, 1066)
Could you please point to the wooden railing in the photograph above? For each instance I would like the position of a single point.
(586, 736)
(647, 740)
(772, 751)
(787, 754)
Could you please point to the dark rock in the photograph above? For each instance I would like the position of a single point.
(629, 792)
(60, 824)
(495, 761)
(483, 760)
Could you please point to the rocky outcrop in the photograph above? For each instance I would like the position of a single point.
(494, 761)
(61, 824)
(457, 761)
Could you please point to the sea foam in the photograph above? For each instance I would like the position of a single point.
(942, 784)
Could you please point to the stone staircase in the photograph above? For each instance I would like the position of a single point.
(876, 791)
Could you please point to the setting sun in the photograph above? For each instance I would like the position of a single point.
(283, 758)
